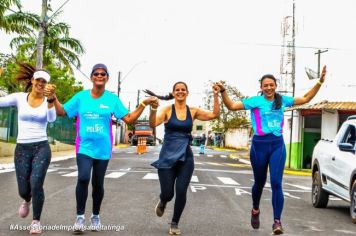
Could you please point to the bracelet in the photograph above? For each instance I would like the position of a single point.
(143, 104)
(51, 100)
(319, 82)
(223, 90)
(153, 109)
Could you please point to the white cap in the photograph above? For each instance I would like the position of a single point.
(42, 74)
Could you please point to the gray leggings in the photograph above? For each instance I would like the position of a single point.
(31, 164)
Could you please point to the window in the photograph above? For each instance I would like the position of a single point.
(350, 136)
(199, 127)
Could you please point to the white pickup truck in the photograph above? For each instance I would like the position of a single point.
(334, 168)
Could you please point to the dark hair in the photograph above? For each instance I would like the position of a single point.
(277, 97)
(166, 97)
(25, 74)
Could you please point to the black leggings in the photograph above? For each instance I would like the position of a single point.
(85, 165)
(31, 164)
(180, 174)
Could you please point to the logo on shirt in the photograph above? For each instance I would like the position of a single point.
(103, 106)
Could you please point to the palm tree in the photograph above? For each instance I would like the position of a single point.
(17, 21)
(59, 47)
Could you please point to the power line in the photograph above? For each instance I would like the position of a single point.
(59, 9)
(281, 45)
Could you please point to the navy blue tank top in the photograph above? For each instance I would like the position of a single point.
(175, 125)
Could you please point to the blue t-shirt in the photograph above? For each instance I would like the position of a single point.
(94, 133)
(264, 119)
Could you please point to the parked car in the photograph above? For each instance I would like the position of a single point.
(334, 168)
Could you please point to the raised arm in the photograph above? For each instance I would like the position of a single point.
(231, 105)
(157, 119)
(313, 91)
(50, 93)
(208, 115)
(133, 116)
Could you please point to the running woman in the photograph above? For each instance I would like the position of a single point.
(176, 164)
(268, 148)
(32, 152)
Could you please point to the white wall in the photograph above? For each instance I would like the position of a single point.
(297, 124)
(329, 124)
(237, 138)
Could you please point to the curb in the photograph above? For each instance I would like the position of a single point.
(286, 171)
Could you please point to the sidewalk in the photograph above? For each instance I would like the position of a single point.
(8, 161)
(243, 156)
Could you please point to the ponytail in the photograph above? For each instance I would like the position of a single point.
(25, 74)
(167, 97)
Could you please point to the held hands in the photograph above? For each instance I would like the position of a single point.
(50, 90)
(152, 101)
(322, 75)
(221, 87)
(216, 89)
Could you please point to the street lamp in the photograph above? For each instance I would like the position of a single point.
(118, 94)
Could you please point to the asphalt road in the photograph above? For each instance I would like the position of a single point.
(219, 200)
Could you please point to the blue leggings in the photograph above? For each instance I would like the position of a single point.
(180, 175)
(31, 164)
(268, 150)
(85, 166)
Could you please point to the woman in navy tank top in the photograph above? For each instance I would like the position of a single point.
(175, 164)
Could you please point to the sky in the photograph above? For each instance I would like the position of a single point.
(159, 42)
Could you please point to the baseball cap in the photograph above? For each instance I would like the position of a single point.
(99, 66)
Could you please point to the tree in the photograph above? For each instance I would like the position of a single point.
(228, 119)
(59, 47)
(16, 21)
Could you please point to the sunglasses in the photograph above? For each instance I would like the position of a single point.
(97, 74)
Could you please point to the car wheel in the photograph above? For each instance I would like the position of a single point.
(320, 197)
(353, 203)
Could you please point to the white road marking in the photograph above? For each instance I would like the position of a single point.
(72, 174)
(227, 180)
(150, 176)
(194, 179)
(115, 175)
(299, 186)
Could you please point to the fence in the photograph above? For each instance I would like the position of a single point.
(62, 130)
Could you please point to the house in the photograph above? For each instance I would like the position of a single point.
(312, 122)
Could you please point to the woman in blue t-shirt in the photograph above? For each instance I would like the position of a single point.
(267, 148)
(94, 109)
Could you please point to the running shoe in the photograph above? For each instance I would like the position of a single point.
(95, 223)
(174, 230)
(35, 227)
(24, 209)
(277, 227)
(79, 224)
(255, 219)
(160, 208)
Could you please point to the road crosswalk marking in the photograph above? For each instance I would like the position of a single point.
(151, 176)
(227, 180)
(72, 174)
(115, 175)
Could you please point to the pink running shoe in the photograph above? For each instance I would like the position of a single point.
(24, 209)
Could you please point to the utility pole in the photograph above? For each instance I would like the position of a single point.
(138, 98)
(293, 86)
(319, 52)
(119, 84)
(41, 35)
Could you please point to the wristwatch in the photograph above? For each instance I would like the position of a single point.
(51, 100)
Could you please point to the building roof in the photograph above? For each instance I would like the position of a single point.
(325, 105)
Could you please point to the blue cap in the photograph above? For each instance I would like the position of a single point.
(99, 66)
